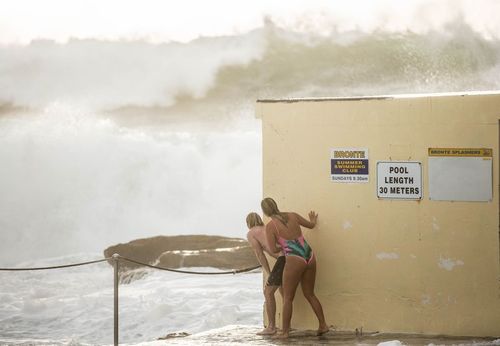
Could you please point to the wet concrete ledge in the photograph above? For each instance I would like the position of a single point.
(246, 335)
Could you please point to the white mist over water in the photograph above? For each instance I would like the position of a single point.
(110, 133)
(93, 74)
(76, 182)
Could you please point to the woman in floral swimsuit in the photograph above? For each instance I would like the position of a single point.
(284, 229)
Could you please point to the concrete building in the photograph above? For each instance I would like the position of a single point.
(407, 191)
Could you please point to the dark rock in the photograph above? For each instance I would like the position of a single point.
(183, 251)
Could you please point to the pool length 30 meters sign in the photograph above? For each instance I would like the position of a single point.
(399, 180)
(349, 165)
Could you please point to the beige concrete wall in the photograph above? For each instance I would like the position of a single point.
(410, 293)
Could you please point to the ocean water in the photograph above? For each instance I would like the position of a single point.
(113, 133)
(75, 305)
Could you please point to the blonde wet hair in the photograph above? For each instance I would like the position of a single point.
(254, 219)
(270, 208)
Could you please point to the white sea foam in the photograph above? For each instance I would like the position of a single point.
(390, 343)
(77, 303)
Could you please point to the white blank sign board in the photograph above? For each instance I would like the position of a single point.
(456, 177)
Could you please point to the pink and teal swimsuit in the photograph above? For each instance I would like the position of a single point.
(296, 247)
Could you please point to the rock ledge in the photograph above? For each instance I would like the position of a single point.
(186, 251)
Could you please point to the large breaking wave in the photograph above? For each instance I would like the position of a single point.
(266, 62)
(107, 141)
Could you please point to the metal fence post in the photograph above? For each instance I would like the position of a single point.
(116, 258)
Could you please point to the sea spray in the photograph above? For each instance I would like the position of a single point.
(97, 74)
(173, 80)
(74, 182)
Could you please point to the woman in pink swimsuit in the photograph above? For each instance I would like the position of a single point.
(284, 229)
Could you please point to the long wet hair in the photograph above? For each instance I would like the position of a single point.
(270, 208)
(254, 219)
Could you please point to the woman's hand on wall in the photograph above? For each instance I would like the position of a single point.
(313, 217)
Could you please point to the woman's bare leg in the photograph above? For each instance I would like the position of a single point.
(307, 284)
(271, 310)
(292, 273)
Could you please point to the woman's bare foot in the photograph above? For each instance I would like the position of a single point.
(322, 330)
(282, 335)
(268, 331)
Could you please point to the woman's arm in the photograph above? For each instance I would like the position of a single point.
(313, 219)
(259, 253)
(263, 260)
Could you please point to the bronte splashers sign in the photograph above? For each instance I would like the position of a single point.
(349, 165)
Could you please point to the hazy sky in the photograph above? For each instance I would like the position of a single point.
(158, 20)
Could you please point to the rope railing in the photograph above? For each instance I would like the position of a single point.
(116, 259)
(234, 271)
(56, 267)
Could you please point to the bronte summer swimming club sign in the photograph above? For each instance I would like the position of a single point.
(349, 165)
